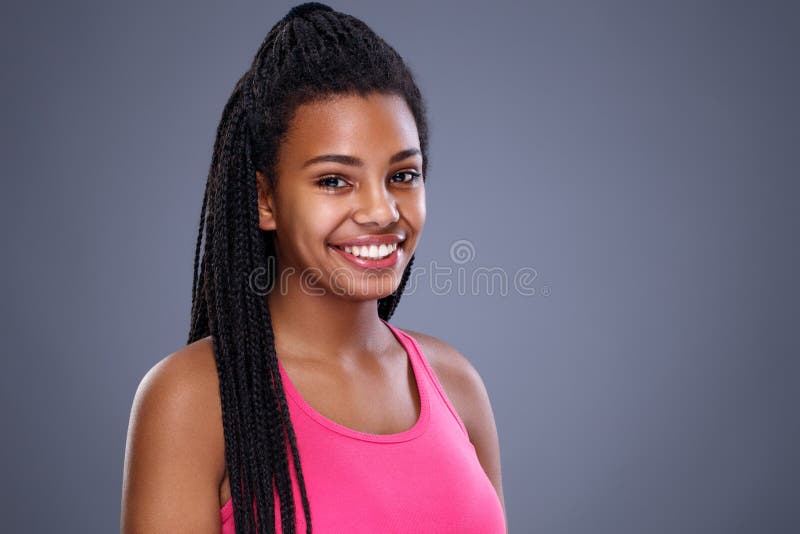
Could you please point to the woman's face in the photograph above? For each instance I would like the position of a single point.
(367, 186)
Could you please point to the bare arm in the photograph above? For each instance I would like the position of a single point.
(172, 459)
(483, 430)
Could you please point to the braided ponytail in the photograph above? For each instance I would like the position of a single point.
(312, 52)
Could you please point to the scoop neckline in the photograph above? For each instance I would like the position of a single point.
(414, 431)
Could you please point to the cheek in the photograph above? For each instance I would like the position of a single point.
(415, 210)
(312, 221)
(291, 220)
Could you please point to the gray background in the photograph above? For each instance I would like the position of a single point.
(641, 157)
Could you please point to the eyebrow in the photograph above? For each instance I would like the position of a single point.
(355, 162)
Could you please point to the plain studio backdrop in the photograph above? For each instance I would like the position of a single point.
(624, 172)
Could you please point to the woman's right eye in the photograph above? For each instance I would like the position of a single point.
(329, 182)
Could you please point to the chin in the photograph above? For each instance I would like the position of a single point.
(376, 289)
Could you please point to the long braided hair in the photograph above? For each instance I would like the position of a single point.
(311, 53)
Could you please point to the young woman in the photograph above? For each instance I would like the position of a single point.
(295, 404)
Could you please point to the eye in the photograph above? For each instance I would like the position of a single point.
(329, 182)
(414, 177)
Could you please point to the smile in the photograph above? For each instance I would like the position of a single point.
(372, 252)
(370, 257)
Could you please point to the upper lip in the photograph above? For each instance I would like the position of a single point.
(367, 240)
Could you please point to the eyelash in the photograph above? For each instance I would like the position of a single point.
(415, 176)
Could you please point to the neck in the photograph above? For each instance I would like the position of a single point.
(326, 326)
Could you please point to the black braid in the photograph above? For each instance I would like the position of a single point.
(309, 54)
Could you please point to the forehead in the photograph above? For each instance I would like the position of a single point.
(370, 127)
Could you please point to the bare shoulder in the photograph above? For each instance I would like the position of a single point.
(174, 456)
(464, 387)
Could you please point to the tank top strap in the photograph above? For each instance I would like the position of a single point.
(432, 382)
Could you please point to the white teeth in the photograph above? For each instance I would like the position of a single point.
(373, 252)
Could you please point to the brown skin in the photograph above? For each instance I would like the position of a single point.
(175, 478)
(375, 198)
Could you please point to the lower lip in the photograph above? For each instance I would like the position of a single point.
(366, 263)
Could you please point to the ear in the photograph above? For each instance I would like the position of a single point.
(266, 203)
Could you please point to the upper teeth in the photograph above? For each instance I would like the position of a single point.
(374, 252)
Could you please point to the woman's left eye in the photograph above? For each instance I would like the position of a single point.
(413, 174)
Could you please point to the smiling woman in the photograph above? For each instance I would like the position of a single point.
(303, 404)
(371, 219)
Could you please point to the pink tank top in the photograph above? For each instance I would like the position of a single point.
(426, 479)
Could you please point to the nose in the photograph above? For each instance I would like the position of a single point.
(375, 205)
